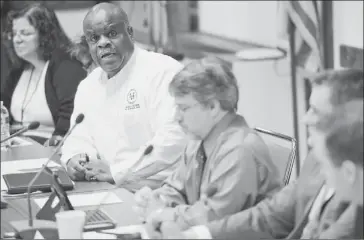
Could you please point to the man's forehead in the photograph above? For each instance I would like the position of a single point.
(104, 17)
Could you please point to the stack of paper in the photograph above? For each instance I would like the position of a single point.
(19, 166)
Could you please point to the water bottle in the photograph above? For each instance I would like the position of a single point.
(5, 127)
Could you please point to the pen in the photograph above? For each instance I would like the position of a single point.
(36, 169)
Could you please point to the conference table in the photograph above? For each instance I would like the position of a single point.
(17, 209)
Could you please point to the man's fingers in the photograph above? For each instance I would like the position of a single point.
(75, 175)
(151, 232)
(139, 211)
(90, 175)
(79, 168)
(142, 196)
(155, 218)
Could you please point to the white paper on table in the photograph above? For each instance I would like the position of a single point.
(97, 235)
(4, 187)
(38, 235)
(125, 229)
(131, 229)
(18, 142)
(86, 199)
(25, 165)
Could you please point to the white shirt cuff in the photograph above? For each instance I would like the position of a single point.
(198, 232)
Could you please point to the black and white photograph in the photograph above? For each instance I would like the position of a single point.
(182, 119)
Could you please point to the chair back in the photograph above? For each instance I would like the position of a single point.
(282, 149)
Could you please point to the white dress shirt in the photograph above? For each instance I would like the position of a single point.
(126, 113)
(34, 103)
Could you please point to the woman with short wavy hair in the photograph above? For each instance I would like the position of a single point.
(43, 80)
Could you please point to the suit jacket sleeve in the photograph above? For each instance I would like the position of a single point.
(65, 81)
(273, 216)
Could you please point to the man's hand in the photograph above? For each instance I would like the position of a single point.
(53, 141)
(98, 170)
(142, 199)
(156, 218)
(75, 167)
(147, 201)
(167, 230)
(171, 230)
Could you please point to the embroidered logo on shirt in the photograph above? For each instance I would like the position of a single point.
(131, 98)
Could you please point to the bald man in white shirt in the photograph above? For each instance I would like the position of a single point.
(126, 105)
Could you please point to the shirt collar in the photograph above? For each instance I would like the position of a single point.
(210, 141)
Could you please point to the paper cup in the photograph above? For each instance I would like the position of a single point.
(70, 224)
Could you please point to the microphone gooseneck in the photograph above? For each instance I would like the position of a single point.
(31, 126)
(78, 120)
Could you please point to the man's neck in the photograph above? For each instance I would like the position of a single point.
(217, 119)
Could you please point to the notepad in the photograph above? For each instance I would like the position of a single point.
(85, 199)
(20, 166)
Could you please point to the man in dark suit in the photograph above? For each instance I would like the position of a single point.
(339, 143)
(297, 210)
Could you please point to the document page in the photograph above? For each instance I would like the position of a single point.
(25, 165)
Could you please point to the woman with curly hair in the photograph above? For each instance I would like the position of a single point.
(44, 77)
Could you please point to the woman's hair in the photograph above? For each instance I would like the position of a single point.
(45, 21)
(80, 50)
(207, 79)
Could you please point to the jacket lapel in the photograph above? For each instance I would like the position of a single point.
(297, 231)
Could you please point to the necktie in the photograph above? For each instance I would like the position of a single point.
(201, 160)
(312, 227)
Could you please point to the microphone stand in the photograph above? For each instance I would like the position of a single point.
(26, 229)
(36, 177)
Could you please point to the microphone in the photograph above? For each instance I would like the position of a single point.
(31, 126)
(78, 120)
(20, 226)
(146, 152)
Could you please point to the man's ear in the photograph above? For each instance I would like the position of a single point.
(214, 105)
(348, 169)
(130, 31)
